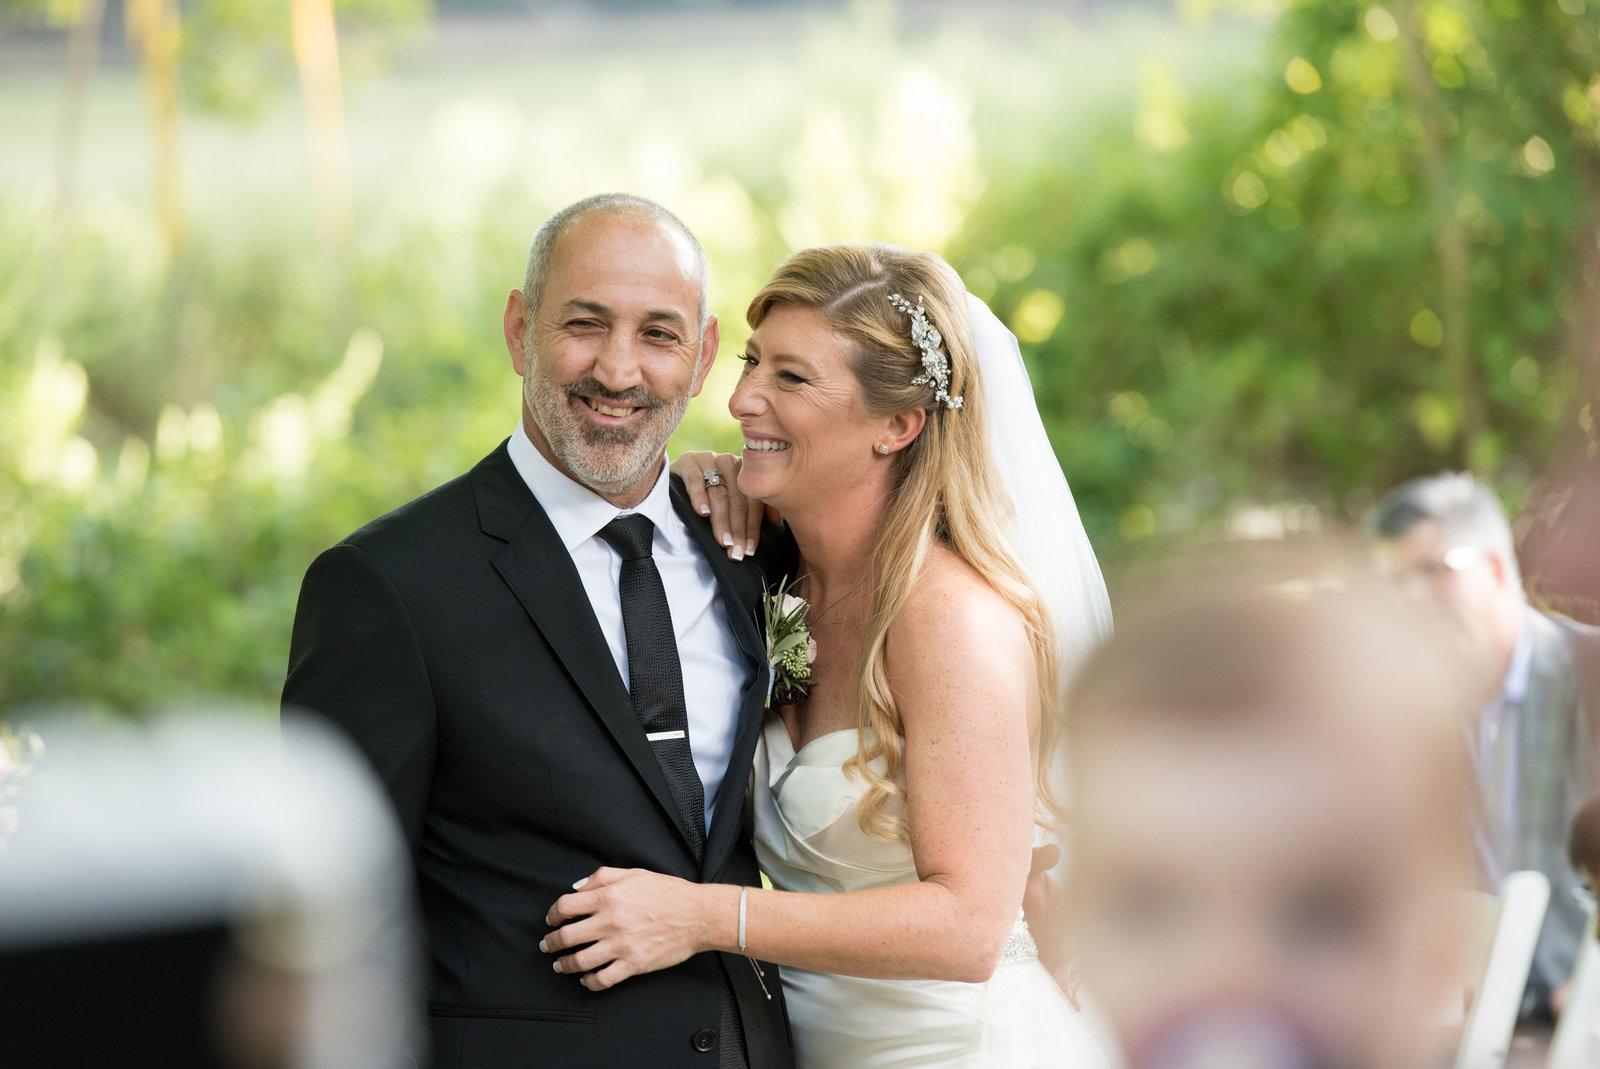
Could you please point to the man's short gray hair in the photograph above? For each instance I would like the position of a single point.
(1467, 512)
(549, 233)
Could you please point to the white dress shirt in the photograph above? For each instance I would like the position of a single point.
(715, 671)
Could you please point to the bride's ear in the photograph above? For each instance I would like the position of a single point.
(900, 430)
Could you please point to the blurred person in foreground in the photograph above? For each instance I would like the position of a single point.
(1269, 834)
(1534, 730)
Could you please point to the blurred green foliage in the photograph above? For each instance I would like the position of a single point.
(1228, 258)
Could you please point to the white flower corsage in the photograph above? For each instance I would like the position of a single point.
(790, 647)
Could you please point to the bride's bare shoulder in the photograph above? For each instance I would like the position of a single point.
(954, 610)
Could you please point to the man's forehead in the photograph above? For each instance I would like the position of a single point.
(630, 243)
(1423, 539)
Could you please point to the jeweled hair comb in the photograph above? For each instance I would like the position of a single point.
(926, 337)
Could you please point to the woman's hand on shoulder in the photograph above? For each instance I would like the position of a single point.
(735, 519)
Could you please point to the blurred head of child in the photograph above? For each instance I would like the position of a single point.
(1270, 822)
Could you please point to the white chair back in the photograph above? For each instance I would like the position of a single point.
(1576, 1044)
(1487, 1037)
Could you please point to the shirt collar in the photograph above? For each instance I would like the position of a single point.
(1520, 670)
(577, 512)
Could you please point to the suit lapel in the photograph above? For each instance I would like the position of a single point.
(540, 572)
(741, 587)
(1542, 757)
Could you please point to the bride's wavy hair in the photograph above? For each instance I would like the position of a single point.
(945, 490)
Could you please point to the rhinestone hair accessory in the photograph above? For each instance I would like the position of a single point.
(926, 337)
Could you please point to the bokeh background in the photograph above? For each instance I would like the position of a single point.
(1266, 258)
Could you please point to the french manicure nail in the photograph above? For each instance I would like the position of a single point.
(727, 539)
(579, 885)
(738, 553)
(705, 510)
(750, 548)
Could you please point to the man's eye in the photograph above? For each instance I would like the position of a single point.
(661, 335)
(582, 323)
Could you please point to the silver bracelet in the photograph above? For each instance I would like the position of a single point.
(761, 977)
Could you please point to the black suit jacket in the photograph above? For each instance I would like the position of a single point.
(453, 641)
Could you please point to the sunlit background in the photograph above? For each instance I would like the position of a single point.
(1265, 259)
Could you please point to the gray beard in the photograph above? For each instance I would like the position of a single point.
(608, 460)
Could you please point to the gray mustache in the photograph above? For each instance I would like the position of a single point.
(637, 397)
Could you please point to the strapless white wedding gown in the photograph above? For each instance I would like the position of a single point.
(807, 839)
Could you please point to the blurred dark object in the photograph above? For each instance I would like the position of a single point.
(1560, 541)
(204, 895)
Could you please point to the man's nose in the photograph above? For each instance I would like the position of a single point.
(616, 365)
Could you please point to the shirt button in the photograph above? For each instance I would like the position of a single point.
(704, 1040)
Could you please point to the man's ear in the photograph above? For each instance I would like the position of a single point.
(902, 429)
(1498, 568)
(710, 340)
(515, 324)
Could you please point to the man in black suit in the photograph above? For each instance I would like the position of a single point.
(553, 667)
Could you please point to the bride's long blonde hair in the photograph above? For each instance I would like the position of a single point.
(945, 487)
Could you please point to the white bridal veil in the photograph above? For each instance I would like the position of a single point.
(1054, 544)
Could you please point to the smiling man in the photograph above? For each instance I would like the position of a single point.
(552, 667)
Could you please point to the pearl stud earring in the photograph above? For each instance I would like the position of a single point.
(883, 447)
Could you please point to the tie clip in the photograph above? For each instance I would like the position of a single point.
(664, 736)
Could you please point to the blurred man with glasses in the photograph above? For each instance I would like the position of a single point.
(1535, 742)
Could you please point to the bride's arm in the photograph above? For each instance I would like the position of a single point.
(963, 677)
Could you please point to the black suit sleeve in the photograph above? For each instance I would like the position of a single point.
(354, 659)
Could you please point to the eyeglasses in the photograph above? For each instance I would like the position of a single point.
(1456, 559)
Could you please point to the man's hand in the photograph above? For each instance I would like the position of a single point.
(1041, 905)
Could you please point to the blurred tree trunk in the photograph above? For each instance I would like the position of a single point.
(1455, 283)
(83, 54)
(316, 52)
(155, 33)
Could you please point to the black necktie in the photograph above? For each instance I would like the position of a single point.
(655, 683)
(655, 679)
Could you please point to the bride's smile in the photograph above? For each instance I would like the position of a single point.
(808, 436)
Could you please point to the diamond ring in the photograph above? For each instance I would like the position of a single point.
(712, 476)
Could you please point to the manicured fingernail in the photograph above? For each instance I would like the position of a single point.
(750, 547)
(579, 885)
(738, 553)
(705, 510)
(727, 539)
(542, 948)
(556, 965)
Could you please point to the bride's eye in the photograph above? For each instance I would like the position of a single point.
(748, 360)
(789, 376)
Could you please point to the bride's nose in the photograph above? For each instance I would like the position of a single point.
(747, 400)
